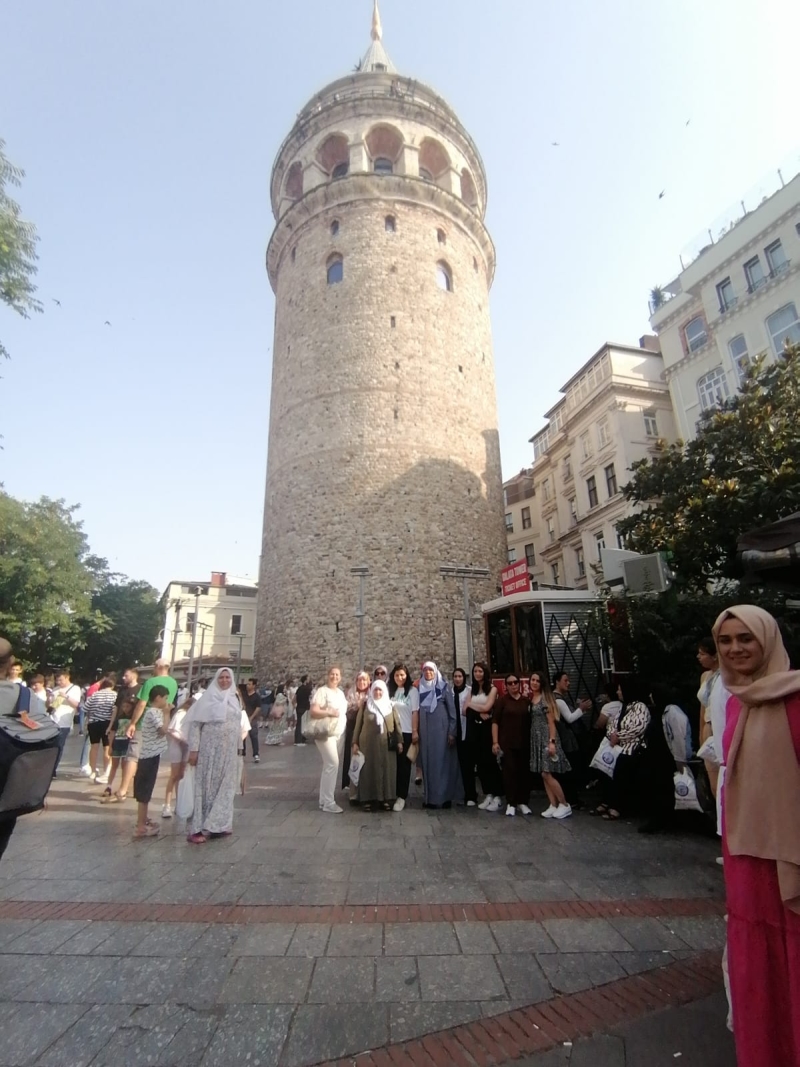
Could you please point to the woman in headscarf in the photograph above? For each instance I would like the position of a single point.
(378, 736)
(356, 698)
(405, 701)
(761, 836)
(437, 738)
(464, 745)
(215, 728)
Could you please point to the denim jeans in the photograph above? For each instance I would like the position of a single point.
(63, 734)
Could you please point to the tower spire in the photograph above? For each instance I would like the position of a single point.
(376, 60)
(377, 28)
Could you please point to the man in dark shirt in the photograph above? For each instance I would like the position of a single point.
(252, 705)
(302, 704)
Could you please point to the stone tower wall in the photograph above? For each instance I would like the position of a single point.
(383, 448)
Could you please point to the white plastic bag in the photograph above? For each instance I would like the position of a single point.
(605, 759)
(356, 763)
(184, 804)
(686, 792)
(708, 751)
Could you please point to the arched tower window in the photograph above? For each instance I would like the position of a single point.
(434, 162)
(334, 227)
(444, 276)
(333, 155)
(382, 165)
(441, 237)
(294, 181)
(425, 174)
(385, 146)
(390, 223)
(335, 271)
(468, 192)
(341, 170)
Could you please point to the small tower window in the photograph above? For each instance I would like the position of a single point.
(294, 254)
(335, 270)
(441, 237)
(334, 227)
(390, 223)
(444, 277)
(382, 165)
(425, 174)
(341, 170)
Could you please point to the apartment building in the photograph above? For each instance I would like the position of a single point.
(737, 296)
(559, 514)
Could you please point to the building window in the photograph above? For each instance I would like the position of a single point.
(509, 522)
(567, 468)
(726, 295)
(189, 621)
(737, 346)
(546, 489)
(530, 555)
(335, 270)
(784, 327)
(619, 537)
(754, 273)
(579, 559)
(444, 277)
(650, 423)
(555, 573)
(776, 259)
(340, 171)
(713, 389)
(591, 489)
(441, 237)
(383, 166)
(236, 624)
(603, 433)
(695, 333)
(334, 227)
(390, 224)
(526, 518)
(611, 480)
(512, 555)
(586, 445)
(573, 511)
(505, 497)
(425, 174)
(551, 530)
(600, 541)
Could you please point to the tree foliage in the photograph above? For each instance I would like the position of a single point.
(741, 471)
(133, 611)
(18, 242)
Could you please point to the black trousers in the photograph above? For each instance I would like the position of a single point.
(253, 739)
(404, 769)
(466, 761)
(298, 729)
(485, 759)
(6, 830)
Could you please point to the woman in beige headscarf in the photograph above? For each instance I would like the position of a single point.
(761, 834)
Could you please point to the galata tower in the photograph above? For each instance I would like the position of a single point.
(383, 443)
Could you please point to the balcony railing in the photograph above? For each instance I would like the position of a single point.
(779, 269)
(754, 284)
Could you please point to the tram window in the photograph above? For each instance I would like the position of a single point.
(529, 638)
(501, 648)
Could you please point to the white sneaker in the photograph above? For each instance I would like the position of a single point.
(511, 810)
(471, 804)
(101, 779)
(166, 812)
(549, 812)
(495, 805)
(563, 811)
(333, 809)
(87, 771)
(487, 800)
(524, 809)
(399, 804)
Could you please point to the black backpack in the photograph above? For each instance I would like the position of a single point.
(28, 754)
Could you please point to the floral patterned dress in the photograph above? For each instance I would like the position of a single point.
(218, 772)
(541, 763)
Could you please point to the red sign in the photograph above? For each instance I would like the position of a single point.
(515, 578)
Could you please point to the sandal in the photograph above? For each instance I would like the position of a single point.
(117, 798)
(387, 806)
(197, 839)
(611, 815)
(601, 809)
(105, 796)
(366, 807)
(147, 831)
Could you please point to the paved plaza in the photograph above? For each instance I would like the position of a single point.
(420, 938)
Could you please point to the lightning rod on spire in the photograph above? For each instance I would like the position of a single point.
(377, 28)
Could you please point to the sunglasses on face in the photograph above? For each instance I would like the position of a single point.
(512, 681)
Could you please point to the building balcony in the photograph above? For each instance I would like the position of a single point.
(780, 269)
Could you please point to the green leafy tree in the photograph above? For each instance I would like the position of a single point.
(47, 575)
(18, 242)
(134, 615)
(741, 471)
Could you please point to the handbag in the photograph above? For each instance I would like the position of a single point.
(356, 764)
(685, 792)
(314, 729)
(413, 752)
(605, 759)
(184, 803)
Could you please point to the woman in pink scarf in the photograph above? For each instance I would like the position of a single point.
(761, 836)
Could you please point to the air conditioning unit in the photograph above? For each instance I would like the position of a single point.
(647, 574)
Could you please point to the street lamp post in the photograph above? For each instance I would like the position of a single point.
(363, 573)
(466, 573)
(177, 604)
(203, 627)
(239, 657)
(190, 673)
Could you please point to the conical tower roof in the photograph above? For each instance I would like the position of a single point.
(376, 57)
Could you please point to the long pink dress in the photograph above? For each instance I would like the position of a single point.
(763, 944)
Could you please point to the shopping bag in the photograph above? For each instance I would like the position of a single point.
(184, 804)
(686, 792)
(605, 759)
(356, 763)
(315, 729)
(708, 751)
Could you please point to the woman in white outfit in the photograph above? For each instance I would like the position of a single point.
(329, 702)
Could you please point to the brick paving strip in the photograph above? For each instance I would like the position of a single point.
(500, 1039)
(538, 911)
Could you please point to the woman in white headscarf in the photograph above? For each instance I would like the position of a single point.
(215, 728)
(437, 738)
(377, 734)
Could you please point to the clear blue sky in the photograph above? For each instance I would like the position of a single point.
(148, 129)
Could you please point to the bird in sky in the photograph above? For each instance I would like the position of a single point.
(661, 194)
(55, 301)
(106, 323)
(555, 144)
(688, 121)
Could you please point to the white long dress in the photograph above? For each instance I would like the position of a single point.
(218, 772)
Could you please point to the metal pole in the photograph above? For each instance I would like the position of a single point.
(175, 630)
(361, 622)
(202, 642)
(470, 648)
(190, 673)
(239, 658)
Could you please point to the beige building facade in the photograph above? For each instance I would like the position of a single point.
(383, 443)
(566, 506)
(225, 610)
(739, 297)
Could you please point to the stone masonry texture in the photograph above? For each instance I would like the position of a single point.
(383, 442)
